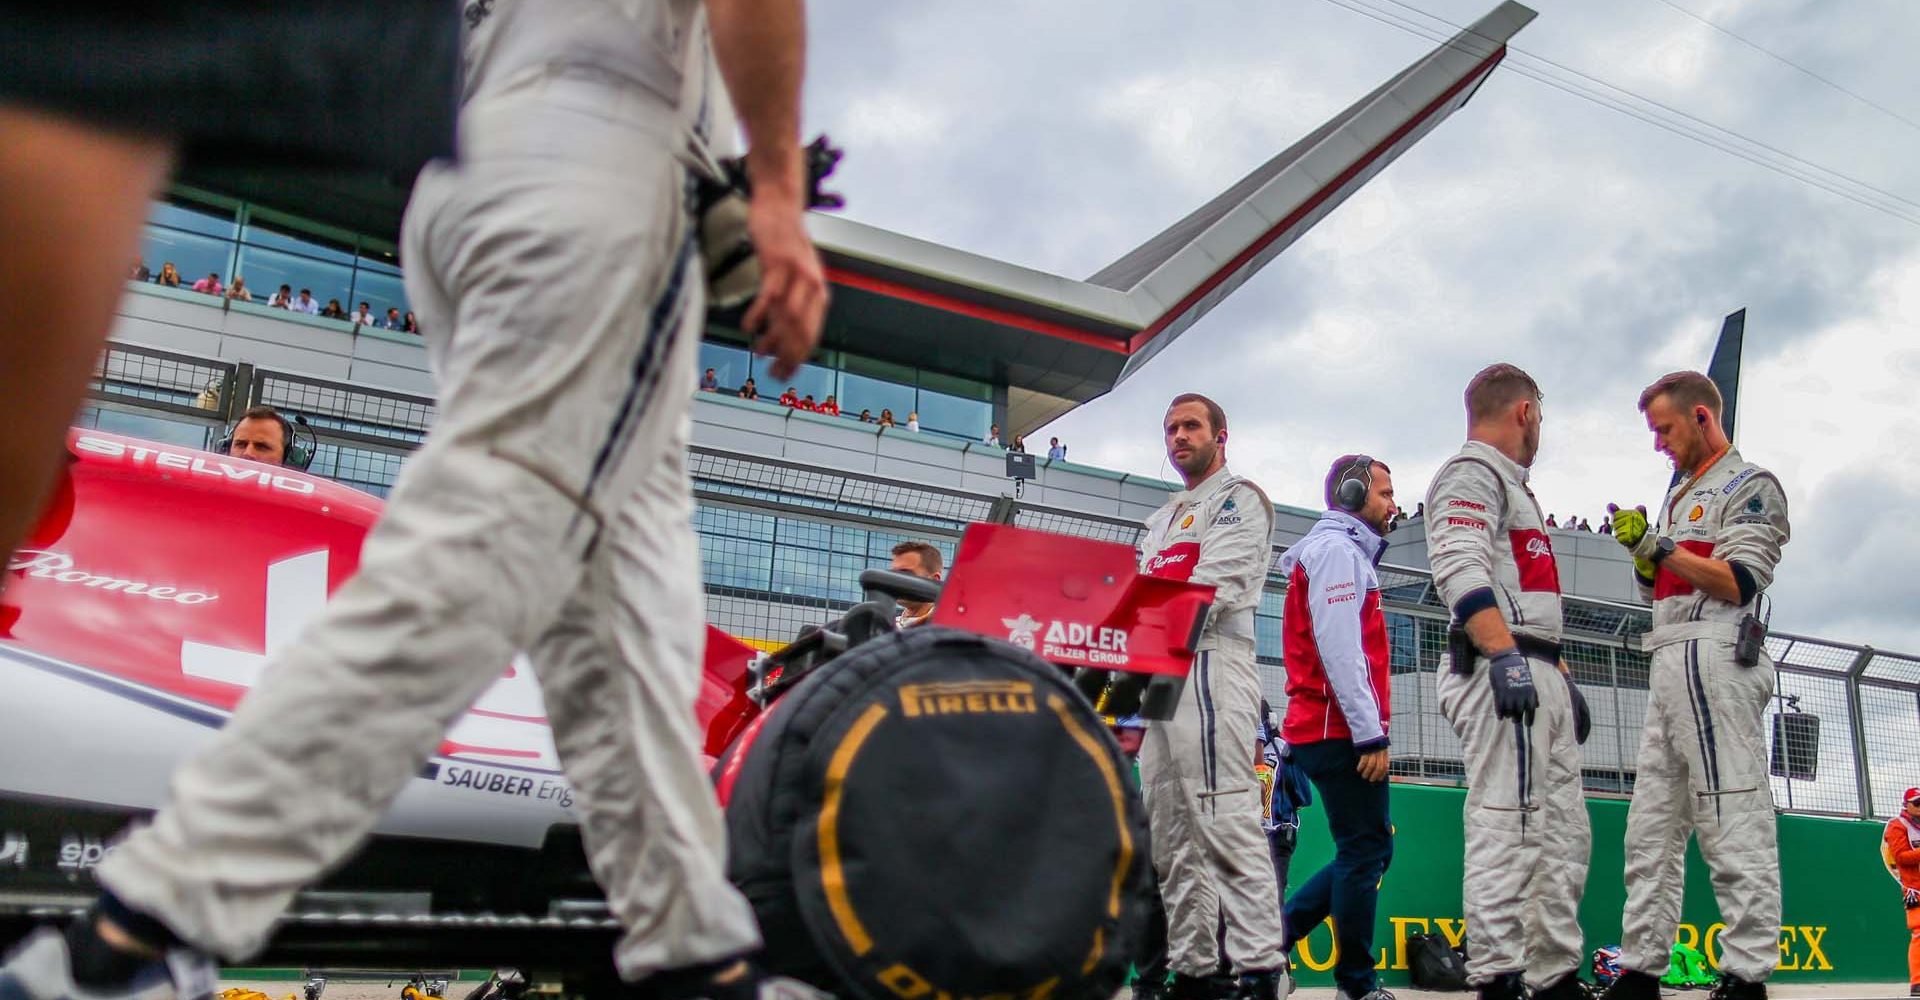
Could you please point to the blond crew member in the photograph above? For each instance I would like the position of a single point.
(1702, 768)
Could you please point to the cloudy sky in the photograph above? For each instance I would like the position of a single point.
(1533, 226)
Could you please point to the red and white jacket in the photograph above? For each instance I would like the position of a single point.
(1335, 636)
(1488, 545)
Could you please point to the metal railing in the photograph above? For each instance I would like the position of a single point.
(777, 534)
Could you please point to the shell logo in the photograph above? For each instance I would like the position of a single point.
(1696, 513)
(1187, 522)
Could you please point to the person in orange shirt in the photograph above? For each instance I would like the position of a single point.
(1900, 849)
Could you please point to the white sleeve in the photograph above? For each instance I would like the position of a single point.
(1336, 593)
(1463, 511)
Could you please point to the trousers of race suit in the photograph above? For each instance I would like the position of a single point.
(1347, 888)
(1702, 770)
(1527, 833)
(1150, 961)
(549, 510)
(1203, 807)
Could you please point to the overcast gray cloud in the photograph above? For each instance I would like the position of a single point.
(1533, 226)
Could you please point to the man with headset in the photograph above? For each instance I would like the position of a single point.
(1338, 703)
(1197, 769)
(1511, 701)
(263, 435)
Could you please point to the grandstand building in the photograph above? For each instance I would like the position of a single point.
(793, 505)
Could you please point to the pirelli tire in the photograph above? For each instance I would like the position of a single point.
(938, 814)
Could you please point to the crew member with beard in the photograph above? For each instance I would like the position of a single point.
(1202, 792)
(1703, 754)
(1511, 701)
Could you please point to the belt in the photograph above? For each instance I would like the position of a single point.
(1531, 646)
(1667, 635)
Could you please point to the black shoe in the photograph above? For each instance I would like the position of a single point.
(1506, 986)
(1567, 987)
(1214, 987)
(1148, 988)
(1264, 984)
(1734, 988)
(1631, 985)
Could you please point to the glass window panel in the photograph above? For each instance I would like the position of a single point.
(843, 580)
(206, 221)
(877, 369)
(361, 468)
(953, 385)
(193, 254)
(258, 235)
(1267, 637)
(811, 534)
(967, 418)
(147, 427)
(858, 392)
(800, 571)
(380, 262)
(815, 379)
(736, 523)
(850, 540)
(729, 364)
(267, 270)
(735, 562)
(378, 290)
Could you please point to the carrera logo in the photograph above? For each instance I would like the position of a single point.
(45, 564)
(967, 698)
(199, 465)
(1467, 505)
(1696, 513)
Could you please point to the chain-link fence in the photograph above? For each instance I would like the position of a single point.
(783, 543)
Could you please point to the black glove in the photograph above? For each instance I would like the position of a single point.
(1512, 679)
(1582, 719)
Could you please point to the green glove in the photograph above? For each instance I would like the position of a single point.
(1629, 526)
(1630, 530)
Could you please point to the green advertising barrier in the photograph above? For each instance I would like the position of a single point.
(1842, 919)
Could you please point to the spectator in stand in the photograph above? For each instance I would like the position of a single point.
(748, 390)
(169, 275)
(1606, 525)
(1056, 451)
(282, 299)
(333, 310)
(394, 320)
(831, 407)
(993, 435)
(913, 421)
(138, 272)
(210, 284)
(1550, 522)
(1584, 526)
(886, 418)
(412, 324)
(362, 316)
(809, 405)
(1019, 445)
(239, 292)
(866, 416)
(709, 381)
(306, 303)
(1419, 510)
(789, 398)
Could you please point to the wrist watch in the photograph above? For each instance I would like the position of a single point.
(1662, 549)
